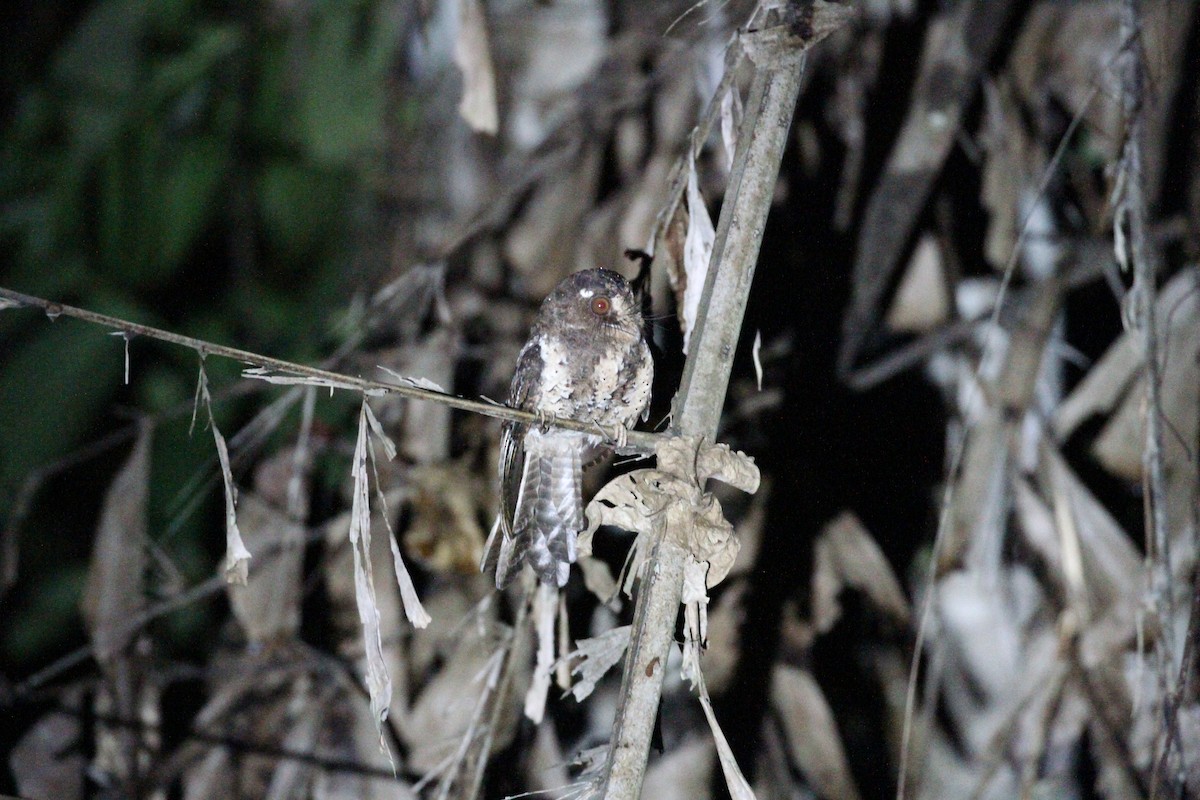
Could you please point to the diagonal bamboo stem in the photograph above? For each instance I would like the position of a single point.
(697, 409)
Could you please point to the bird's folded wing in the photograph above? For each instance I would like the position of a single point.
(549, 509)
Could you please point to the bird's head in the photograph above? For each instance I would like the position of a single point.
(595, 299)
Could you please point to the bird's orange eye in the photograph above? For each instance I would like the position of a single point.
(601, 305)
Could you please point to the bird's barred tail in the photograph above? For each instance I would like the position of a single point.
(549, 512)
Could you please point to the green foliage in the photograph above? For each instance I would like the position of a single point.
(189, 165)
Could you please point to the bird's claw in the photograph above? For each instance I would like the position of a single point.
(617, 434)
(620, 436)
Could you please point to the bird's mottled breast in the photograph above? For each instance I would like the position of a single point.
(603, 377)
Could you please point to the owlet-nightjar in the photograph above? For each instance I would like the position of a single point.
(586, 359)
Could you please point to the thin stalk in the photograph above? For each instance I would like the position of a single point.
(1142, 302)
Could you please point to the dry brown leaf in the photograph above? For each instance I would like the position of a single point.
(979, 495)
(697, 252)
(1038, 525)
(668, 260)
(922, 301)
(268, 606)
(46, 761)
(443, 712)
(670, 498)
(735, 781)
(719, 462)
(1122, 441)
(341, 587)
(1011, 161)
(473, 56)
(378, 681)
(624, 503)
(545, 609)
(237, 557)
(694, 599)
(545, 51)
(1100, 390)
(114, 595)
(447, 502)
(1112, 569)
(426, 437)
(812, 735)
(683, 773)
(597, 577)
(847, 557)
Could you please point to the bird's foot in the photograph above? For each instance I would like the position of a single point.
(544, 419)
(617, 434)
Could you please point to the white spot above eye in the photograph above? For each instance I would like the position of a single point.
(586, 292)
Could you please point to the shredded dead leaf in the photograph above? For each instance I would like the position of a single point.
(593, 658)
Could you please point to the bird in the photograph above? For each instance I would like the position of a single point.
(586, 359)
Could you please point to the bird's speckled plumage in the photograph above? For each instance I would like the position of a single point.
(580, 364)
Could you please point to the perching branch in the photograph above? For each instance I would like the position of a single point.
(697, 408)
(638, 441)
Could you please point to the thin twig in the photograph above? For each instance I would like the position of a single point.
(636, 440)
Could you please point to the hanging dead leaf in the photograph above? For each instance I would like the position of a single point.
(1122, 441)
(544, 611)
(1011, 160)
(593, 658)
